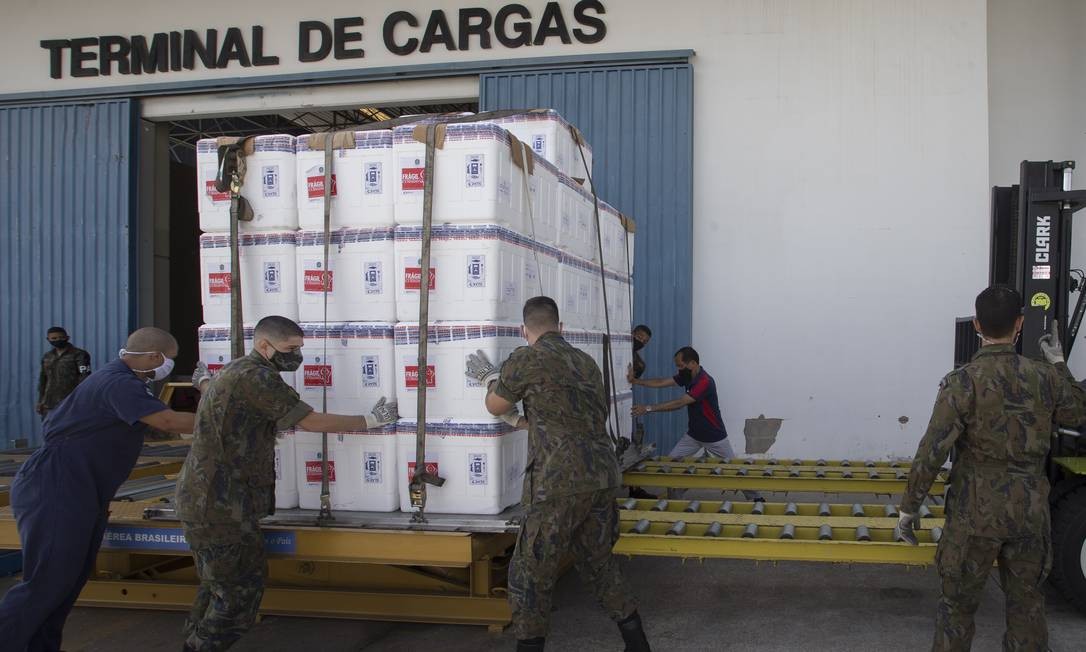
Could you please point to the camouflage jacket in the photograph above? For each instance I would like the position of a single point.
(229, 475)
(569, 451)
(61, 372)
(997, 414)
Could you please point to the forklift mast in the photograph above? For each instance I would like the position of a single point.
(1031, 252)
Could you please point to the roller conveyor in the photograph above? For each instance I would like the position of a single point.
(838, 476)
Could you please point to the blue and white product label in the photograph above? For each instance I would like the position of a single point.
(371, 277)
(269, 175)
(476, 277)
(371, 371)
(371, 178)
(272, 280)
(371, 467)
(539, 144)
(477, 469)
(129, 537)
(474, 171)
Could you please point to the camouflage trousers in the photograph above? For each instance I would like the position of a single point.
(583, 525)
(964, 562)
(230, 563)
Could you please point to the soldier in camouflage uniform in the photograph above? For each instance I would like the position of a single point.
(570, 478)
(997, 414)
(62, 369)
(227, 483)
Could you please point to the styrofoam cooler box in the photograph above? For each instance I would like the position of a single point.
(615, 242)
(542, 212)
(549, 136)
(621, 358)
(449, 393)
(362, 188)
(475, 178)
(620, 419)
(581, 303)
(360, 262)
(268, 185)
(362, 470)
(268, 279)
(286, 478)
(482, 464)
(213, 345)
(477, 272)
(618, 303)
(576, 220)
(357, 369)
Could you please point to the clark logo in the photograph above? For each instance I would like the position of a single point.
(1041, 300)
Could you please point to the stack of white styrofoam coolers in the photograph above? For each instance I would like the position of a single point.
(511, 220)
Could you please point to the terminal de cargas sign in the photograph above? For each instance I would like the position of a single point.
(402, 33)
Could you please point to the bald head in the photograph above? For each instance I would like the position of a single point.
(152, 340)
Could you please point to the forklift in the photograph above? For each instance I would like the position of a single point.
(1031, 252)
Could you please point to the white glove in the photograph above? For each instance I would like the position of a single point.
(200, 375)
(906, 525)
(1050, 344)
(382, 414)
(480, 368)
(513, 418)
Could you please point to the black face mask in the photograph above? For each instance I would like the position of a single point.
(685, 376)
(638, 345)
(60, 344)
(289, 361)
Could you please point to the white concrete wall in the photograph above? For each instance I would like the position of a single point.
(1037, 98)
(841, 184)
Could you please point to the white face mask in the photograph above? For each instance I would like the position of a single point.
(158, 373)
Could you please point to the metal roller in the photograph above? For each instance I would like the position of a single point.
(767, 472)
(924, 512)
(641, 526)
(772, 461)
(630, 504)
(890, 510)
(820, 462)
(846, 474)
(825, 533)
(678, 529)
(869, 464)
(895, 464)
(691, 469)
(726, 460)
(874, 475)
(820, 473)
(936, 534)
(660, 506)
(797, 462)
(751, 531)
(897, 535)
(793, 473)
(641, 468)
(824, 509)
(858, 510)
(717, 470)
(664, 468)
(862, 533)
(714, 529)
(758, 509)
(741, 472)
(725, 507)
(748, 461)
(899, 475)
(788, 532)
(693, 506)
(790, 509)
(846, 463)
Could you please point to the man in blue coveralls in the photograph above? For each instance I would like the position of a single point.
(61, 494)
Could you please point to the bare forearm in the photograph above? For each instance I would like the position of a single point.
(322, 422)
(669, 406)
(655, 383)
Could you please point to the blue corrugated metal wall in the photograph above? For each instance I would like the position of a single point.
(638, 120)
(65, 203)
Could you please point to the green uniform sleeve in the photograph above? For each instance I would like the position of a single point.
(947, 423)
(274, 400)
(41, 383)
(84, 365)
(1070, 399)
(512, 383)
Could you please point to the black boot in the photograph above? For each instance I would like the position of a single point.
(531, 644)
(633, 635)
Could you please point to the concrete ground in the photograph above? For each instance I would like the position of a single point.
(715, 605)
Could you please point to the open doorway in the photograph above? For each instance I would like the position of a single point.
(170, 283)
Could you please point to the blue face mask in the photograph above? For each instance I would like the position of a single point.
(685, 376)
